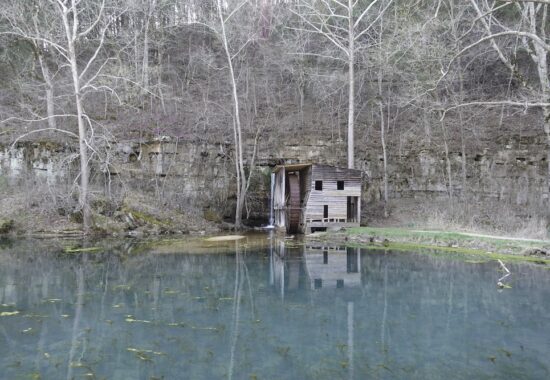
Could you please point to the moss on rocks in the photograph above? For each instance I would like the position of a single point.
(211, 216)
(6, 226)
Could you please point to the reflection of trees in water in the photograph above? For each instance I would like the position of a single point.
(239, 264)
(76, 334)
(437, 300)
(84, 300)
(160, 289)
(424, 276)
(242, 279)
(404, 306)
(424, 305)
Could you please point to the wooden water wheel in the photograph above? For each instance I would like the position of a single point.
(293, 209)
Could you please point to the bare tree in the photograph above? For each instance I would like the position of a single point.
(226, 13)
(522, 29)
(335, 21)
(68, 27)
(237, 129)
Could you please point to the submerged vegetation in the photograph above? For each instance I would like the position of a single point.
(95, 315)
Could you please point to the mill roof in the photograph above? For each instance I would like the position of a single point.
(297, 167)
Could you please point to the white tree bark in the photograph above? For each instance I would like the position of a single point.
(383, 143)
(71, 33)
(145, 60)
(351, 84)
(237, 130)
(323, 22)
(50, 103)
(60, 26)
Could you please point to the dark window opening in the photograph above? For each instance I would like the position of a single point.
(317, 283)
(340, 185)
(325, 257)
(352, 209)
(318, 229)
(339, 284)
(325, 211)
(318, 185)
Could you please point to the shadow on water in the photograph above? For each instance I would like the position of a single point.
(266, 308)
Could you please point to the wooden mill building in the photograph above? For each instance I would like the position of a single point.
(313, 197)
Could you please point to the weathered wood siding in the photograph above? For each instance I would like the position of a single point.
(313, 201)
(330, 195)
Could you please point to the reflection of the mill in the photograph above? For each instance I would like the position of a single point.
(332, 267)
(318, 267)
(315, 267)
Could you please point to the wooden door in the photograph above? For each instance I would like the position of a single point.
(352, 210)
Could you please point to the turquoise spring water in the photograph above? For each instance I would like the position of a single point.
(275, 312)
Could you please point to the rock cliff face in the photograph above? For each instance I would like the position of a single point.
(41, 161)
(187, 174)
(516, 176)
(513, 173)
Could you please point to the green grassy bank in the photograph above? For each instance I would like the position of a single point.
(462, 244)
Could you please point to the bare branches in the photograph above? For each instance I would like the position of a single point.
(365, 12)
(234, 11)
(547, 2)
(378, 17)
(20, 33)
(525, 30)
(316, 29)
(482, 16)
(242, 183)
(100, 45)
(43, 130)
(534, 37)
(493, 37)
(95, 23)
(98, 72)
(14, 118)
(323, 23)
(324, 56)
(336, 24)
(525, 105)
(96, 52)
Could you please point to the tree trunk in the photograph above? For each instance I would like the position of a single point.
(265, 19)
(159, 82)
(75, 332)
(351, 84)
(462, 138)
(145, 60)
(463, 162)
(383, 142)
(447, 161)
(385, 158)
(50, 106)
(239, 163)
(83, 150)
(82, 130)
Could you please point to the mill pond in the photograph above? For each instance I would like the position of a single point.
(262, 308)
